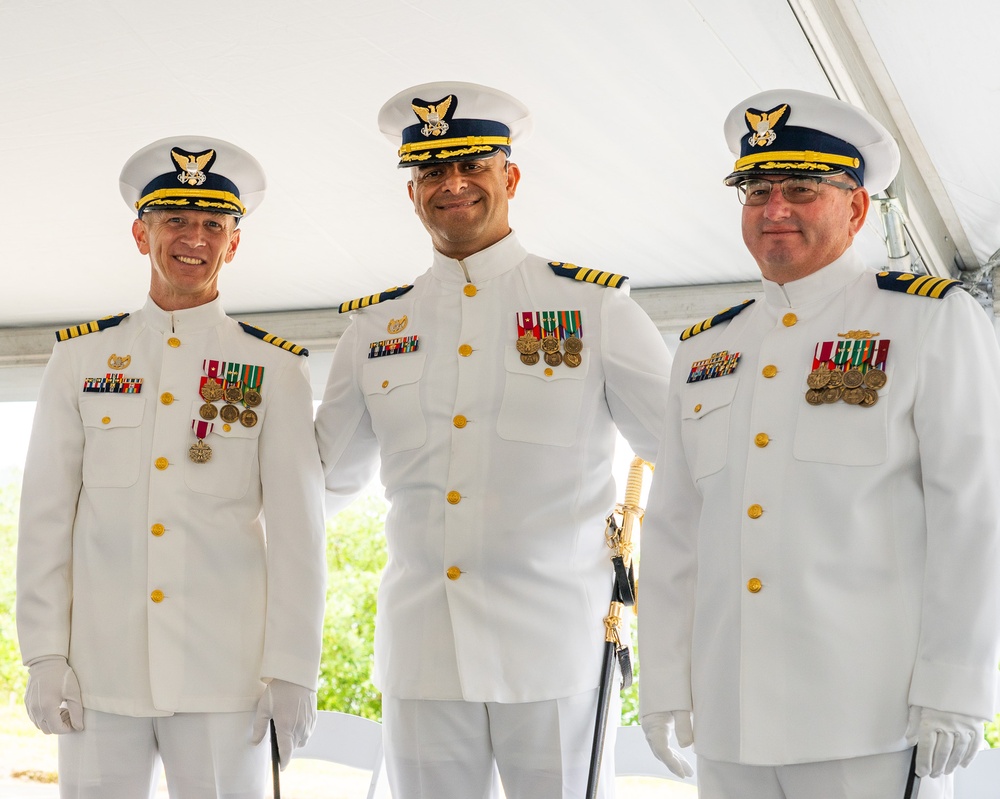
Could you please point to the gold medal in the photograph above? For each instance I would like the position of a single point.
(211, 391)
(875, 378)
(870, 398)
(208, 411)
(528, 344)
(572, 359)
(854, 396)
(853, 378)
(200, 452)
(573, 344)
(233, 393)
(819, 378)
(814, 396)
(248, 418)
(251, 398)
(831, 394)
(529, 358)
(229, 413)
(836, 379)
(550, 344)
(553, 358)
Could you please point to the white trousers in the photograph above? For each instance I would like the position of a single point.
(204, 756)
(874, 777)
(456, 750)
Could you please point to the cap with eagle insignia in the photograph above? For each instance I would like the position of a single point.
(194, 173)
(90, 327)
(588, 275)
(919, 285)
(373, 299)
(436, 123)
(792, 132)
(270, 338)
(722, 316)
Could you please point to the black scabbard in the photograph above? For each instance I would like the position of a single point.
(912, 780)
(601, 724)
(275, 763)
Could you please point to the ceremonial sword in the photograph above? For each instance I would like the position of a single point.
(616, 636)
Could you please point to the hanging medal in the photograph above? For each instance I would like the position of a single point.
(200, 452)
(572, 332)
(528, 338)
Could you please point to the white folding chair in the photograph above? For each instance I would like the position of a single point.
(633, 757)
(981, 780)
(350, 741)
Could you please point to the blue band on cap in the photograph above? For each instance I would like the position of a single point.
(216, 193)
(463, 139)
(800, 150)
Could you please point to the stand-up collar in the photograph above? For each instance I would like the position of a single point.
(483, 265)
(189, 320)
(822, 283)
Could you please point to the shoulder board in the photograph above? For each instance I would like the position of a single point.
(722, 316)
(91, 327)
(588, 275)
(372, 299)
(921, 285)
(270, 338)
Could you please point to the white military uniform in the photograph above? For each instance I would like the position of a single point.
(153, 574)
(872, 533)
(498, 473)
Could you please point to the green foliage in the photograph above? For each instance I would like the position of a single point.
(356, 555)
(993, 733)
(13, 676)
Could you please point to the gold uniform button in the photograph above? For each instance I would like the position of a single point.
(548, 372)
(770, 370)
(385, 384)
(761, 439)
(157, 530)
(469, 290)
(697, 407)
(226, 427)
(166, 397)
(161, 463)
(789, 319)
(754, 585)
(157, 595)
(174, 342)
(755, 511)
(454, 573)
(460, 421)
(465, 350)
(106, 420)
(454, 497)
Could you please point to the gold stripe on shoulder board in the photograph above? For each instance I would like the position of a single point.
(90, 327)
(722, 316)
(919, 285)
(277, 341)
(585, 275)
(373, 299)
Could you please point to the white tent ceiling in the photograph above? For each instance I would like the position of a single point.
(623, 171)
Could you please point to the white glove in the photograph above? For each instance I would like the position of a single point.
(944, 740)
(657, 728)
(293, 709)
(53, 698)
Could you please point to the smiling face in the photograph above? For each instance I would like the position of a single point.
(790, 241)
(186, 251)
(464, 204)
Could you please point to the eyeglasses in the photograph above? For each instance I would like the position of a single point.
(798, 190)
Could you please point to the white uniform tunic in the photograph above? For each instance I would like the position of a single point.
(874, 532)
(153, 574)
(498, 473)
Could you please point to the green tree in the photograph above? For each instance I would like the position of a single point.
(355, 555)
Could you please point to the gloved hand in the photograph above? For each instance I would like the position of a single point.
(293, 709)
(51, 684)
(657, 728)
(944, 740)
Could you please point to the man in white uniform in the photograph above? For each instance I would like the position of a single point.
(820, 553)
(491, 389)
(171, 569)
